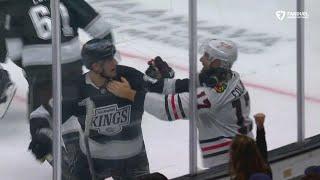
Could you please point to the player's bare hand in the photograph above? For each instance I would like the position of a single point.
(259, 118)
(121, 89)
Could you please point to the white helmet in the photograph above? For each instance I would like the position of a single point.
(224, 50)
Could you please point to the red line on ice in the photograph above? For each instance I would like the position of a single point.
(248, 84)
(182, 68)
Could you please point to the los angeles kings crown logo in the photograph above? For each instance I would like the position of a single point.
(109, 120)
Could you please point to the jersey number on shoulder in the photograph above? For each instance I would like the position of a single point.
(40, 16)
(237, 105)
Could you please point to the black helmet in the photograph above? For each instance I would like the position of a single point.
(97, 50)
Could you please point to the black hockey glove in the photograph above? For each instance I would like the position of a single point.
(5, 82)
(41, 144)
(212, 77)
(159, 69)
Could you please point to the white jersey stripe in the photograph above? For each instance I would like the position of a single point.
(98, 28)
(70, 52)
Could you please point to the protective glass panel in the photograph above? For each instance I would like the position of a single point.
(266, 40)
(312, 47)
(143, 30)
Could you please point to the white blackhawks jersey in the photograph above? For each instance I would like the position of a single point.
(223, 113)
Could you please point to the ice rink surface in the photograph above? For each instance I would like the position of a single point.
(145, 29)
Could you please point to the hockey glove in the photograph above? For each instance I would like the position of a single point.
(159, 69)
(41, 144)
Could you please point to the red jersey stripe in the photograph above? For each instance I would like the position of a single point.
(174, 107)
(216, 146)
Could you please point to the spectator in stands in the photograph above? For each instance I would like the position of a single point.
(248, 158)
(260, 176)
(261, 136)
(312, 173)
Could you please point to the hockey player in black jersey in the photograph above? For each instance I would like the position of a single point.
(28, 39)
(115, 140)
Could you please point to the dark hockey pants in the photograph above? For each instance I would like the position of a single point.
(75, 166)
(40, 82)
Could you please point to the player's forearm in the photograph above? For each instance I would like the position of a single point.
(169, 86)
(164, 107)
(154, 104)
(261, 143)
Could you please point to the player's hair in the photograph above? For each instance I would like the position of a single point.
(246, 159)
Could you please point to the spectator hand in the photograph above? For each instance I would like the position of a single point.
(259, 119)
(121, 89)
(159, 69)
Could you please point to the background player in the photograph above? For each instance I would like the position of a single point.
(29, 42)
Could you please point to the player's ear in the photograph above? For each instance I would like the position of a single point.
(95, 67)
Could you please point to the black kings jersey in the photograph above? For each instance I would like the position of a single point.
(30, 20)
(115, 131)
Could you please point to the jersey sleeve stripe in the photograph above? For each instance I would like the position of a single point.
(98, 28)
(216, 154)
(180, 107)
(174, 107)
(214, 139)
(216, 146)
(167, 107)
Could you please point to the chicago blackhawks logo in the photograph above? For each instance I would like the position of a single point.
(109, 120)
(220, 87)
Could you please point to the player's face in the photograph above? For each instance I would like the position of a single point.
(208, 62)
(205, 61)
(109, 68)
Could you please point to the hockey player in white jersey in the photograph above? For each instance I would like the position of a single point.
(7, 87)
(7, 91)
(223, 101)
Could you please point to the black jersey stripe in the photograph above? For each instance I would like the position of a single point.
(167, 107)
(180, 107)
(215, 154)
